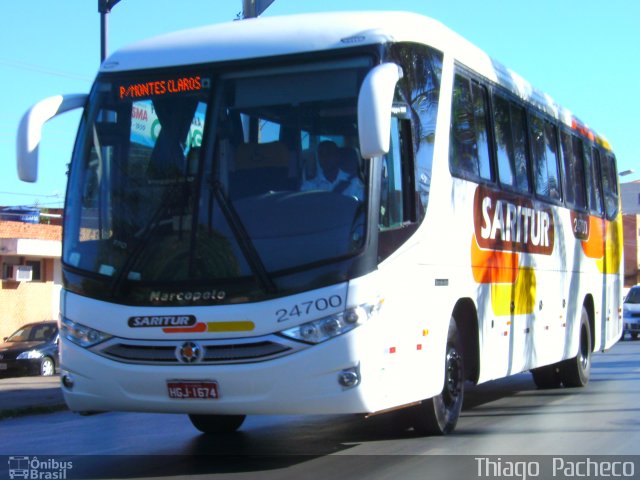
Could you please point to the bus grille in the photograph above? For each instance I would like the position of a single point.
(214, 352)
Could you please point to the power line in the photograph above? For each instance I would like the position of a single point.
(38, 204)
(59, 204)
(51, 195)
(40, 69)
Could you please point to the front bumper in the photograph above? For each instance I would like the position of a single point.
(29, 366)
(304, 382)
(631, 324)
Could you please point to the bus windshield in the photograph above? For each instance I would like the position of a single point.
(201, 175)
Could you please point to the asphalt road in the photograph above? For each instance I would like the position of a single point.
(500, 419)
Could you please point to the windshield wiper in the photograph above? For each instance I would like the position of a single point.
(145, 235)
(242, 236)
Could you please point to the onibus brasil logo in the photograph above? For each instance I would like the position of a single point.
(37, 469)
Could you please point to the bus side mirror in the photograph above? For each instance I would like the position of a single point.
(375, 103)
(30, 130)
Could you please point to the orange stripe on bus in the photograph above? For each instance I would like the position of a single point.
(493, 266)
(197, 328)
(593, 247)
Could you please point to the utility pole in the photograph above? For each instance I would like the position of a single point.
(104, 7)
(254, 8)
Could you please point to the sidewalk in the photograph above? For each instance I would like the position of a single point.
(29, 395)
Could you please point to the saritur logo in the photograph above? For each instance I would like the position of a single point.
(507, 222)
(162, 321)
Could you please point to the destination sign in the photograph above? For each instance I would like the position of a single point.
(156, 88)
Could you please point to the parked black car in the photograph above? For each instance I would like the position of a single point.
(33, 348)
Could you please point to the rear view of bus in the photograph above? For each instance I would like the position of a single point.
(255, 222)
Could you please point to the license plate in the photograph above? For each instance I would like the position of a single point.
(192, 389)
(3, 366)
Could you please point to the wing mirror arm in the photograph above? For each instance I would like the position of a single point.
(30, 130)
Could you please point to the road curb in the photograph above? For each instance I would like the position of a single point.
(23, 396)
(31, 410)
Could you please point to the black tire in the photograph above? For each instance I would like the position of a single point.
(575, 372)
(217, 424)
(547, 376)
(439, 415)
(47, 367)
(634, 335)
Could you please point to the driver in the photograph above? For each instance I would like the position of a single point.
(336, 173)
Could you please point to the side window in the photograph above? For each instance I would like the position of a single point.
(579, 172)
(36, 270)
(510, 133)
(594, 188)
(609, 185)
(269, 131)
(7, 266)
(469, 145)
(418, 94)
(545, 158)
(573, 164)
(396, 206)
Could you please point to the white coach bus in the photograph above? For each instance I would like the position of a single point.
(324, 214)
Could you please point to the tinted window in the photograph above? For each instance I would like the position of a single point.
(545, 158)
(157, 196)
(419, 91)
(511, 144)
(573, 162)
(609, 185)
(594, 188)
(406, 169)
(482, 137)
(394, 206)
(469, 146)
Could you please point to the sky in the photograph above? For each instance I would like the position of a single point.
(584, 53)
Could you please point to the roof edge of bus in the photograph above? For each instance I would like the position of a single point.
(265, 37)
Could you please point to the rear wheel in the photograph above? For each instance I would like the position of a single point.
(217, 423)
(634, 335)
(575, 372)
(439, 415)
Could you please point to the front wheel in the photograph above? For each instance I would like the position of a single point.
(575, 372)
(217, 423)
(439, 415)
(47, 367)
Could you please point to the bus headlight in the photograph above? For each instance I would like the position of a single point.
(332, 326)
(80, 334)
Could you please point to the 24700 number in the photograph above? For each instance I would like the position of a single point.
(306, 308)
